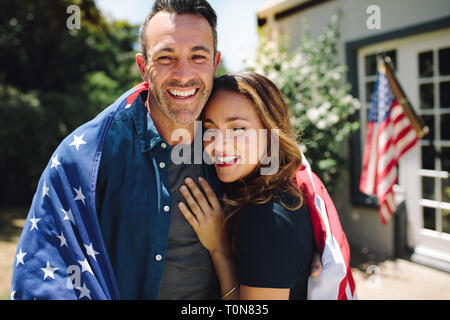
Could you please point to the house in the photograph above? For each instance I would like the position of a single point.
(416, 35)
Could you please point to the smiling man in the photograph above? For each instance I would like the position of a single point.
(154, 252)
(179, 60)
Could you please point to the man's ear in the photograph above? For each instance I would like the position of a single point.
(216, 61)
(142, 66)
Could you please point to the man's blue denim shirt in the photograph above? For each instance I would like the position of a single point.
(133, 200)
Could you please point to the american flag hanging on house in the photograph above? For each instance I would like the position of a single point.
(392, 130)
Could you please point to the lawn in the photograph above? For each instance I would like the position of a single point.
(11, 224)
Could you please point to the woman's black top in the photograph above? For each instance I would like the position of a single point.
(274, 247)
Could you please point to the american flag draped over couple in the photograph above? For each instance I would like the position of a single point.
(61, 253)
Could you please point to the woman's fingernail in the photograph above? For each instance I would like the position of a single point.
(188, 180)
(200, 179)
(183, 188)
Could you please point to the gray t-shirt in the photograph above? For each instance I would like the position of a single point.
(188, 272)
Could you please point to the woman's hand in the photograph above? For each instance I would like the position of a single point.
(205, 215)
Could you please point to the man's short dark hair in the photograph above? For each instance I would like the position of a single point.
(201, 7)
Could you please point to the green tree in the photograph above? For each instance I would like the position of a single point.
(222, 69)
(52, 80)
(312, 81)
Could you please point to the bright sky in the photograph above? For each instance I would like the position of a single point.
(236, 27)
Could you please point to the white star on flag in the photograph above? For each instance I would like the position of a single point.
(77, 141)
(68, 215)
(57, 259)
(12, 294)
(55, 162)
(34, 223)
(80, 195)
(85, 266)
(48, 271)
(84, 292)
(45, 190)
(20, 256)
(63, 240)
(90, 251)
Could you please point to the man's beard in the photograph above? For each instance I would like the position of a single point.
(164, 103)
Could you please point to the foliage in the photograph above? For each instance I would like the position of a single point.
(312, 82)
(52, 80)
(221, 69)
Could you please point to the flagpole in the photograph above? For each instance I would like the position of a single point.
(417, 122)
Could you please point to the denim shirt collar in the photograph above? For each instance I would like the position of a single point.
(149, 137)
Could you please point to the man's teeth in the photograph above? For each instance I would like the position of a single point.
(182, 94)
(223, 160)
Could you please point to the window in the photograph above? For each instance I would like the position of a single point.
(434, 95)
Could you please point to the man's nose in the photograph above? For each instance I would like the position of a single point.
(183, 71)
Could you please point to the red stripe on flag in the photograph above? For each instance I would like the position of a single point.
(399, 118)
(409, 146)
(384, 125)
(402, 134)
(342, 294)
(386, 148)
(382, 175)
(369, 163)
(139, 88)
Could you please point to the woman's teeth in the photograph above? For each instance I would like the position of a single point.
(182, 94)
(227, 159)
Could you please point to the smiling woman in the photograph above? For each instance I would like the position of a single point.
(265, 219)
